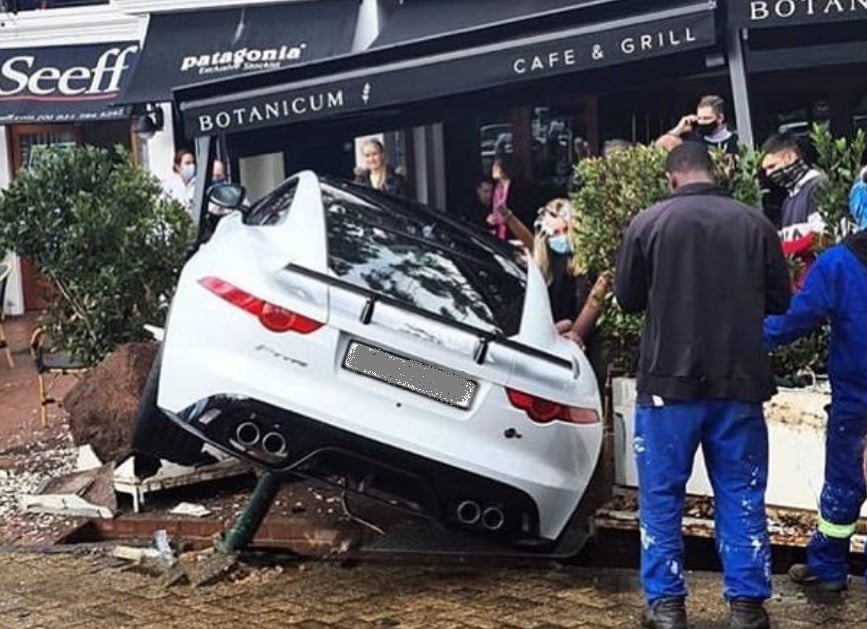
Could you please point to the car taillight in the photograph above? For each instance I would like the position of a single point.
(272, 317)
(544, 411)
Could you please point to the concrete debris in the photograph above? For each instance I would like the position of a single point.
(134, 553)
(88, 494)
(39, 463)
(87, 459)
(190, 509)
(172, 476)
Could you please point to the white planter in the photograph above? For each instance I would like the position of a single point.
(796, 432)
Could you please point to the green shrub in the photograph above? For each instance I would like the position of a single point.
(616, 188)
(613, 190)
(95, 224)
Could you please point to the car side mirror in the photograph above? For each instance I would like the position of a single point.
(229, 196)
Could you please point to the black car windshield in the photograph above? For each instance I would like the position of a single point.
(416, 256)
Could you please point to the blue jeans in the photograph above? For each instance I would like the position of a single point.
(734, 439)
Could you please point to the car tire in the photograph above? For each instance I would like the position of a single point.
(156, 436)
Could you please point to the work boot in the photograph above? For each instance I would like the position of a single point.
(666, 613)
(748, 614)
(801, 574)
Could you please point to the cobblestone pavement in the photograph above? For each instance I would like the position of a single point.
(91, 591)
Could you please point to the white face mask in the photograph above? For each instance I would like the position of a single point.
(560, 243)
(188, 171)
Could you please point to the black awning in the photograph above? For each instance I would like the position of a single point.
(189, 47)
(64, 83)
(330, 89)
(771, 13)
(422, 19)
(842, 53)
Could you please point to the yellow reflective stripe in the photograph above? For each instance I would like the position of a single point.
(837, 531)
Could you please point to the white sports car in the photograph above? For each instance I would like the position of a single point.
(341, 333)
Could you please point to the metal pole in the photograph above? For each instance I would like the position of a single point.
(740, 90)
(205, 154)
(244, 529)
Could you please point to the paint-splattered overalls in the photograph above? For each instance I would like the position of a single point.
(835, 290)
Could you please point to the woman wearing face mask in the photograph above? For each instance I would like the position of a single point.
(575, 295)
(181, 184)
(378, 173)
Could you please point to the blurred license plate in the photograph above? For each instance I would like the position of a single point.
(412, 375)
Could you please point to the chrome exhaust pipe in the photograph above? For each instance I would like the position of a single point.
(248, 434)
(274, 444)
(493, 519)
(468, 512)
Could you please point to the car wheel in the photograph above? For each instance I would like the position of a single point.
(156, 437)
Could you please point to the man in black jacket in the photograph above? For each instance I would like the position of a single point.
(706, 270)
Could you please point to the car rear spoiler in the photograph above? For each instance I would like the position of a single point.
(486, 337)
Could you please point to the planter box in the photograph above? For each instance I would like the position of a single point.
(796, 432)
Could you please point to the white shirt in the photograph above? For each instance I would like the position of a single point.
(183, 193)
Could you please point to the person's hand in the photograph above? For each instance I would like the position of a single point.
(685, 125)
(503, 212)
(573, 336)
(563, 326)
(600, 288)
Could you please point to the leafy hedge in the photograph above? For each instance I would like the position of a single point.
(615, 188)
(95, 224)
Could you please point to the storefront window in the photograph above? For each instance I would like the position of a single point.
(496, 139)
(859, 114)
(552, 135)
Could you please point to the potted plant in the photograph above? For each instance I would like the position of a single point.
(98, 227)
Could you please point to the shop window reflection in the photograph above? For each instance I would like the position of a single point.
(496, 139)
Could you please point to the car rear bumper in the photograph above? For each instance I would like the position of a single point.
(284, 441)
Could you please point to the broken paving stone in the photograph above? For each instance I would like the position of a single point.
(190, 509)
(134, 553)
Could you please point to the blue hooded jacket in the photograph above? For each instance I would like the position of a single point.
(835, 291)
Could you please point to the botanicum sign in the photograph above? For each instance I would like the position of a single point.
(767, 13)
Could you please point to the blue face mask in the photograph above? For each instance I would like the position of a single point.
(188, 171)
(560, 244)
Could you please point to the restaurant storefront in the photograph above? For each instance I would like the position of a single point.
(61, 72)
(539, 75)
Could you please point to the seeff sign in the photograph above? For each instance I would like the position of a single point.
(63, 83)
(768, 13)
(462, 72)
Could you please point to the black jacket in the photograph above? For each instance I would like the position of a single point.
(394, 183)
(707, 270)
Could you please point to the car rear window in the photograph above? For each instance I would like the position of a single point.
(410, 253)
(273, 208)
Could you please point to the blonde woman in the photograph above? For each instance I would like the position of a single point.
(378, 173)
(575, 296)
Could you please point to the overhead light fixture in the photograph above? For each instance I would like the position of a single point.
(149, 123)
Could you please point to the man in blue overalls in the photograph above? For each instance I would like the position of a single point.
(835, 291)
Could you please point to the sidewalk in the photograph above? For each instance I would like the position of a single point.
(86, 591)
(19, 400)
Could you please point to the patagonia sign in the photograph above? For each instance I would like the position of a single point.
(62, 83)
(241, 60)
(768, 13)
